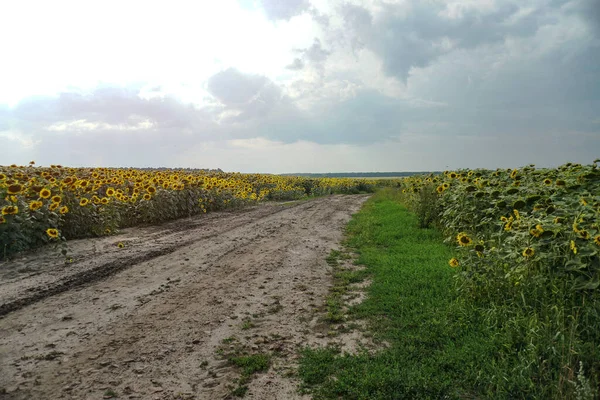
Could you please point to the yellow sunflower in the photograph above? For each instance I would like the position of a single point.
(15, 188)
(52, 233)
(84, 202)
(573, 247)
(56, 199)
(463, 239)
(453, 262)
(584, 234)
(35, 205)
(64, 210)
(597, 240)
(528, 252)
(10, 210)
(45, 193)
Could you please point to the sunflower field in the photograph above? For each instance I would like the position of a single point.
(41, 205)
(527, 262)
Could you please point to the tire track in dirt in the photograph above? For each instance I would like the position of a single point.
(155, 329)
(91, 273)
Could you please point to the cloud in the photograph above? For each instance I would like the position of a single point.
(415, 34)
(285, 10)
(297, 64)
(244, 96)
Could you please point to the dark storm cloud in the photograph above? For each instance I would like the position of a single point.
(413, 35)
(284, 9)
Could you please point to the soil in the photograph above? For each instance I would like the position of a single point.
(159, 317)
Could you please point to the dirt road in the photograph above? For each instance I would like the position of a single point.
(157, 318)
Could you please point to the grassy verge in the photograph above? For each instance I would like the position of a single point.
(434, 349)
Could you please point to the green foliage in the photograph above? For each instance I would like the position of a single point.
(529, 265)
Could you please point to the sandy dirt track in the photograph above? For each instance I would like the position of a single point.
(156, 319)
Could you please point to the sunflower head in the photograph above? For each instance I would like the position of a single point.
(528, 252)
(547, 181)
(53, 206)
(35, 205)
(84, 202)
(56, 199)
(2, 219)
(453, 262)
(63, 210)
(10, 210)
(463, 239)
(110, 192)
(45, 193)
(120, 245)
(597, 240)
(15, 188)
(52, 233)
(584, 234)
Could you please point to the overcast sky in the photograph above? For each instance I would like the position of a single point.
(300, 85)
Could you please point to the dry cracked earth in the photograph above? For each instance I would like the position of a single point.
(157, 318)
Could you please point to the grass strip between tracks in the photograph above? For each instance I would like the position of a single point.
(433, 348)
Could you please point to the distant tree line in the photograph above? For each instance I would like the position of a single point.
(362, 174)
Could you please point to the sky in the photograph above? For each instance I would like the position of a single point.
(300, 85)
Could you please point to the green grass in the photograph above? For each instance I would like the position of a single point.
(249, 365)
(435, 349)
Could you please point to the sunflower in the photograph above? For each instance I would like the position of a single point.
(559, 220)
(151, 189)
(453, 175)
(453, 262)
(56, 199)
(35, 205)
(537, 231)
(45, 193)
(573, 247)
(584, 234)
(147, 196)
(84, 202)
(120, 245)
(2, 219)
(463, 239)
(104, 200)
(2, 177)
(64, 210)
(439, 189)
(84, 183)
(53, 206)
(110, 192)
(15, 188)
(446, 185)
(514, 173)
(53, 233)
(547, 181)
(597, 240)
(528, 252)
(10, 210)
(517, 215)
